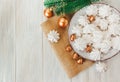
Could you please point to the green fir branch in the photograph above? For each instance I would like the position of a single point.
(67, 6)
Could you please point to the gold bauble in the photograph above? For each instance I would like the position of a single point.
(80, 61)
(63, 22)
(72, 37)
(88, 48)
(68, 48)
(91, 18)
(48, 12)
(75, 56)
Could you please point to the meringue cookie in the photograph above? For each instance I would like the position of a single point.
(114, 29)
(114, 18)
(89, 28)
(97, 21)
(87, 38)
(97, 36)
(103, 24)
(95, 54)
(101, 67)
(116, 43)
(105, 46)
(91, 10)
(80, 44)
(53, 36)
(83, 20)
(77, 30)
(104, 11)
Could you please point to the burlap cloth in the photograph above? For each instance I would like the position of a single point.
(65, 58)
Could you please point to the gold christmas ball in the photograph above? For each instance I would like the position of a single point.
(75, 56)
(68, 48)
(48, 12)
(63, 22)
(80, 61)
(88, 48)
(72, 37)
(91, 18)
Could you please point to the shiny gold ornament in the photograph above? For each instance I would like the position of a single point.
(48, 12)
(75, 56)
(72, 37)
(91, 18)
(88, 48)
(68, 48)
(62, 22)
(80, 61)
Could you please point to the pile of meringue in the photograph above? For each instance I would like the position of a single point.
(103, 33)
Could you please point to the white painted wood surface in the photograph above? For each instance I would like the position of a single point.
(25, 54)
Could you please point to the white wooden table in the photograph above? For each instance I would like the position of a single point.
(25, 54)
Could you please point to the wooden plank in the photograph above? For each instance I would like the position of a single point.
(28, 41)
(82, 77)
(53, 71)
(7, 41)
(112, 75)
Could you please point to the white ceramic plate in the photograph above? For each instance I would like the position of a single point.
(74, 21)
